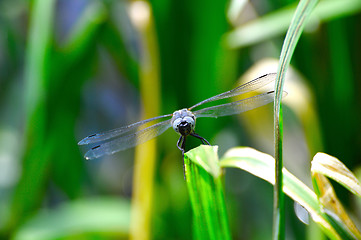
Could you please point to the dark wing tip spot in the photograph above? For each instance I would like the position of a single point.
(92, 135)
(93, 148)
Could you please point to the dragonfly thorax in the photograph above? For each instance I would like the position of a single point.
(183, 122)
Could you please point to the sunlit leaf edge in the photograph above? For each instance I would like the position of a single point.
(262, 166)
(323, 166)
(333, 168)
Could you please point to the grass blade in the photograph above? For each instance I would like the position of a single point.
(262, 165)
(83, 32)
(275, 23)
(295, 29)
(27, 196)
(325, 165)
(145, 154)
(79, 220)
(333, 168)
(206, 192)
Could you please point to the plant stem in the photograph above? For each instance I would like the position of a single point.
(145, 154)
(294, 31)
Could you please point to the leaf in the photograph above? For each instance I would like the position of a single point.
(206, 192)
(275, 23)
(331, 167)
(325, 165)
(207, 158)
(298, 22)
(103, 215)
(262, 166)
(35, 163)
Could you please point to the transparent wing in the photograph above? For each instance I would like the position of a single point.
(99, 137)
(247, 87)
(128, 140)
(236, 107)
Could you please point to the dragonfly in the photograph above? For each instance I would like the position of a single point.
(182, 121)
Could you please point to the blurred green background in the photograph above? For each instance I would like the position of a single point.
(70, 68)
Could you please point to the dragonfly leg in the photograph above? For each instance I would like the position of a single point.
(180, 144)
(183, 145)
(204, 141)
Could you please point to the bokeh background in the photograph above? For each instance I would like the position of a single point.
(70, 68)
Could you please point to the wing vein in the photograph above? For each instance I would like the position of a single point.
(99, 137)
(247, 87)
(236, 107)
(128, 141)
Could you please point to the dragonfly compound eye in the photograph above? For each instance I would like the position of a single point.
(176, 123)
(190, 121)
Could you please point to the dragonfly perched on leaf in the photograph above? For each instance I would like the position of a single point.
(183, 121)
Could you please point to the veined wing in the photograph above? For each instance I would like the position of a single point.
(236, 107)
(128, 140)
(99, 137)
(244, 88)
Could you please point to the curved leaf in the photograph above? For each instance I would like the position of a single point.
(333, 168)
(262, 166)
(206, 192)
(325, 165)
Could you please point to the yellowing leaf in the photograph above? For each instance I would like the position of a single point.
(333, 168)
(325, 165)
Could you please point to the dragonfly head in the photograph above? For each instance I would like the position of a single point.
(183, 122)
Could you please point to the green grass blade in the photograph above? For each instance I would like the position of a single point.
(262, 165)
(38, 48)
(79, 219)
(278, 195)
(206, 192)
(294, 32)
(30, 188)
(275, 23)
(83, 32)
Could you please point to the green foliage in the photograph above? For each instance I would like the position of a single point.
(293, 34)
(80, 219)
(277, 22)
(205, 187)
(72, 68)
(205, 194)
